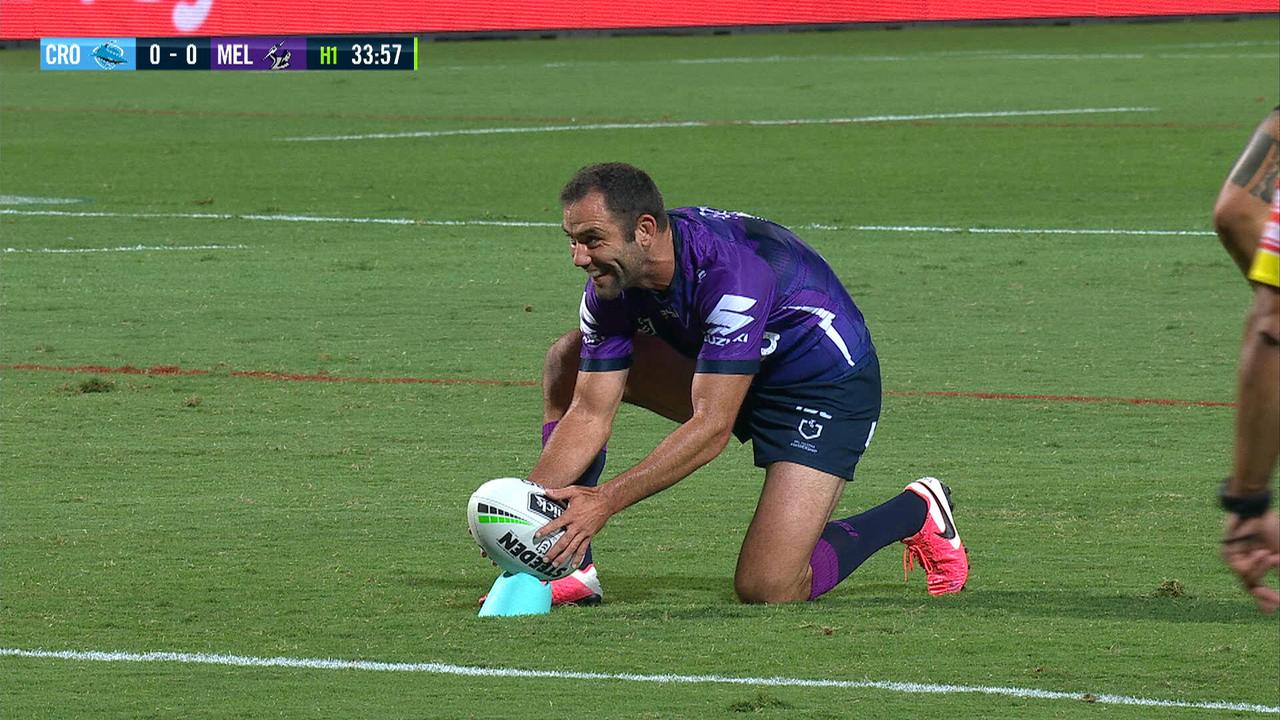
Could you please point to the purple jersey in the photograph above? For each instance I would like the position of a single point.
(747, 297)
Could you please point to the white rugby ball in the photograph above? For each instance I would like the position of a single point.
(504, 514)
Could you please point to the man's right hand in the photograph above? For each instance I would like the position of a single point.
(1251, 548)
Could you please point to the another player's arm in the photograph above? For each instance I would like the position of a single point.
(1241, 210)
(716, 399)
(1257, 438)
(583, 430)
(1251, 534)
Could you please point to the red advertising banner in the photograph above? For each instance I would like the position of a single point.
(31, 19)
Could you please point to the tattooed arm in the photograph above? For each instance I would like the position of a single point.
(1245, 198)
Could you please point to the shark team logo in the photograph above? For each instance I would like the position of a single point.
(727, 319)
(109, 55)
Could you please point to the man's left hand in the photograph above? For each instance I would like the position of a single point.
(588, 512)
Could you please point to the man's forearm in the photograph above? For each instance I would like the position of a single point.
(570, 450)
(1258, 413)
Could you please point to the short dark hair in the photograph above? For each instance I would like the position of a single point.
(628, 193)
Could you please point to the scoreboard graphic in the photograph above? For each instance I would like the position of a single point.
(230, 53)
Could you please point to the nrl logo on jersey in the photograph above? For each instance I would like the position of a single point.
(810, 429)
(645, 325)
(727, 320)
(587, 324)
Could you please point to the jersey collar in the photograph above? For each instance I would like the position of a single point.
(676, 288)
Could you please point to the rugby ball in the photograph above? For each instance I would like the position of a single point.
(504, 514)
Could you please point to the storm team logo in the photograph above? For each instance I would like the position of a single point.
(281, 61)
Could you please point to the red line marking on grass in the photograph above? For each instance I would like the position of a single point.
(174, 370)
(1059, 398)
(177, 371)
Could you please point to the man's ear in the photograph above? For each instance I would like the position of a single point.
(646, 229)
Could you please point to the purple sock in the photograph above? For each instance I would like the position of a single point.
(590, 478)
(846, 544)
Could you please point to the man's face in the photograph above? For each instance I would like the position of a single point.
(599, 246)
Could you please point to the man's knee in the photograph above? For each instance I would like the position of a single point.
(754, 589)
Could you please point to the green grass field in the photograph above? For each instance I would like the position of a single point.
(210, 510)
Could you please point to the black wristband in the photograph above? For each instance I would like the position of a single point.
(1246, 506)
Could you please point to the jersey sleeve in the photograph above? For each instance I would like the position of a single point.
(1266, 261)
(606, 333)
(733, 300)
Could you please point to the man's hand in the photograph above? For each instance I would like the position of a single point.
(588, 512)
(1251, 548)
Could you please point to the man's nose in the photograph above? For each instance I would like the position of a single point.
(580, 256)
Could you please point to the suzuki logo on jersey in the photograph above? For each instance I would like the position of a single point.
(727, 318)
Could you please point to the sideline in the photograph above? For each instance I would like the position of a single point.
(499, 672)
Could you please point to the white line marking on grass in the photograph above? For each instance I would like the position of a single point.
(999, 231)
(127, 248)
(28, 200)
(1217, 56)
(1136, 56)
(499, 672)
(1233, 43)
(944, 229)
(279, 218)
(714, 123)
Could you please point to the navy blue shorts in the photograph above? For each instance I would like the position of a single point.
(825, 426)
